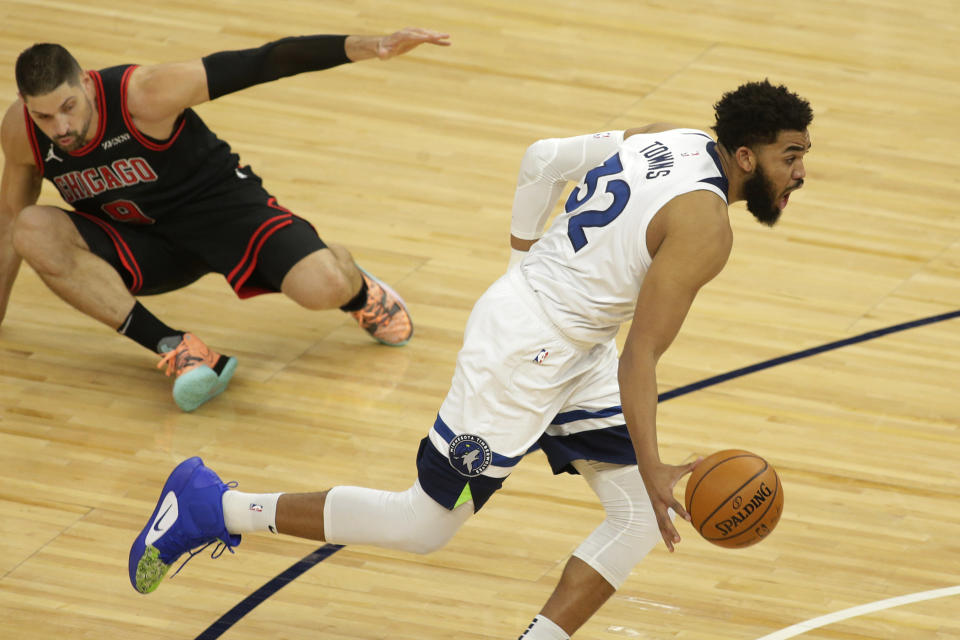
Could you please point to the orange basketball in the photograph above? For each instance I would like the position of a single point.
(734, 498)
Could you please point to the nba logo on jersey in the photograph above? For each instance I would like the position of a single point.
(469, 455)
(541, 356)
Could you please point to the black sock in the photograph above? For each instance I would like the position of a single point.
(221, 363)
(358, 301)
(144, 328)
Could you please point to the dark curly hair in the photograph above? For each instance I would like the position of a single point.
(755, 112)
(44, 67)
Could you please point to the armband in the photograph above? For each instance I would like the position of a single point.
(229, 71)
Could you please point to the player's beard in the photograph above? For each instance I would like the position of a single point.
(761, 199)
(80, 138)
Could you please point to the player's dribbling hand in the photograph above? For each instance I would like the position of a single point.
(402, 41)
(660, 481)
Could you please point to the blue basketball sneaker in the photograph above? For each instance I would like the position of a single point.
(189, 515)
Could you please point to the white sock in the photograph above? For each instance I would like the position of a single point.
(543, 629)
(250, 512)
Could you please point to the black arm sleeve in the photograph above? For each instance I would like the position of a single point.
(229, 71)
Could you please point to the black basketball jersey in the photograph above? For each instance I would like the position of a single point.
(124, 174)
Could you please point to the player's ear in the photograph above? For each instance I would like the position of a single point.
(746, 159)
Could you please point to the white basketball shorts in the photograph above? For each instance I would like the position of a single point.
(519, 385)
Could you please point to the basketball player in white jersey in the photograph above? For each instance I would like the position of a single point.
(645, 228)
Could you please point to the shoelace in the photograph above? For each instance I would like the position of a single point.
(376, 312)
(216, 553)
(177, 360)
(217, 550)
(169, 360)
(375, 319)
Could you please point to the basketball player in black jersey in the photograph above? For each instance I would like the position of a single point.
(155, 200)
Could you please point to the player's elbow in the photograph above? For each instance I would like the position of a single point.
(636, 360)
(540, 150)
(537, 156)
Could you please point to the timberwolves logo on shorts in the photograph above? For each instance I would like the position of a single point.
(470, 455)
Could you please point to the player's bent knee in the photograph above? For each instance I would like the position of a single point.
(408, 520)
(28, 226)
(427, 539)
(38, 230)
(617, 546)
(318, 282)
(429, 526)
(630, 530)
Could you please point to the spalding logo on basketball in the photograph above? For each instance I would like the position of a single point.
(734, 498)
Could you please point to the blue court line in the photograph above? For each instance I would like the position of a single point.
(806, 353)
(250, 602)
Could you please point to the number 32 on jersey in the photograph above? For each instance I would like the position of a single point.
(619, 189)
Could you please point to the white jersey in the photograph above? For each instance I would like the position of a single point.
(587, 268)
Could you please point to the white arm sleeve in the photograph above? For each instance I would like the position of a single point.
(544, 171)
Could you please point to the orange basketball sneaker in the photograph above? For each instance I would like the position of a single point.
(194, 365)
(384, 316)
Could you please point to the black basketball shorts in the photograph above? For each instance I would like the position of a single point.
(243, 235)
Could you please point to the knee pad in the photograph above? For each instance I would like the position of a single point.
(405, 521)
(630, 529)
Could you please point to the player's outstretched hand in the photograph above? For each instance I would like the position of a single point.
(400, 42)
(660, 481)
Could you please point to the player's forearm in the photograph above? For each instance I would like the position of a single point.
(9, 261)
(8, 275)
(230, 71)
(520, 244)
(518, 250)
(361, 47)
(19, 188)
(638, 397)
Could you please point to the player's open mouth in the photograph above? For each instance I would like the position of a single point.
(786, 196)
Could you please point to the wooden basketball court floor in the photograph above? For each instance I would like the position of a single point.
(411, 164)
